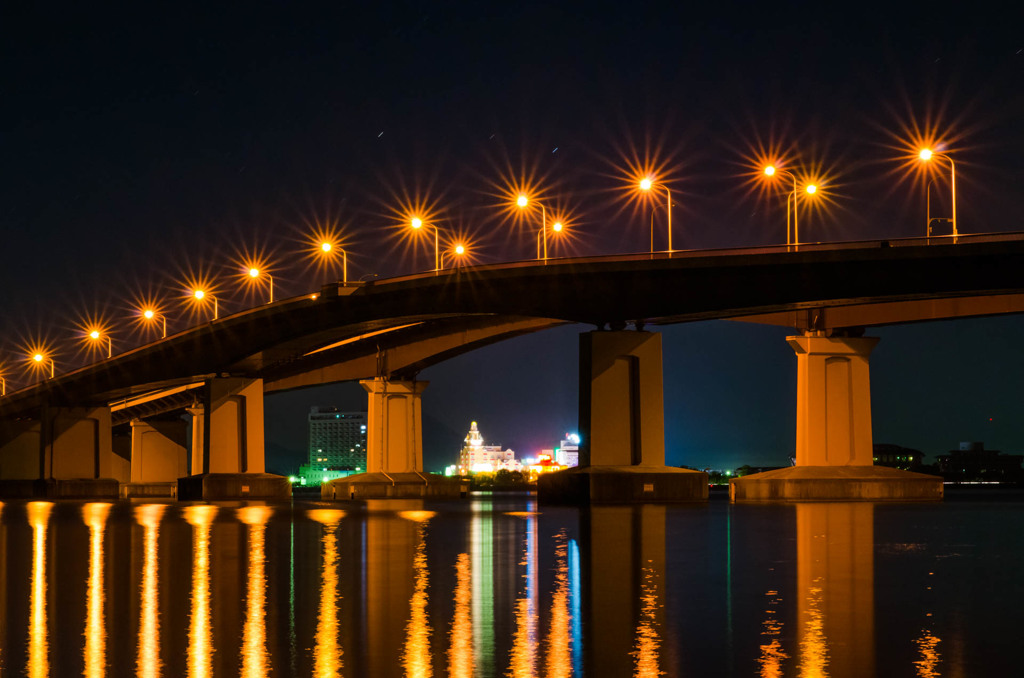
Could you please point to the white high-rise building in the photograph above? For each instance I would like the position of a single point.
(568, 452)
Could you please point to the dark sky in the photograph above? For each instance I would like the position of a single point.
(140, 145)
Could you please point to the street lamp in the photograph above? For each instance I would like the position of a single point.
(457, 251)
(416, 224)
(926, 154)
(200, 295)
(325, 251)
(3, 386)
(542, 237)
(648, 184)
(149, 314)
(40, 359)
(96, 335)
(792, 236)
(255, 273)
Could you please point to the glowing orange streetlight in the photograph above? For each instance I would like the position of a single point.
(791, 198)
(3, 386)
(458, 250)
(926, 154)
(416, 224)
(648, 184)
(97, 335)
(542, 237)
(255, 273)
(326, 249)
(41, 359)
(200, 295)
(149, 314)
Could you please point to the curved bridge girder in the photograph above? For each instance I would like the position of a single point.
(661, 288)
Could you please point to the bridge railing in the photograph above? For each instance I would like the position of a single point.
(722, 252)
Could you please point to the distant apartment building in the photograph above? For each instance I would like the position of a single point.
(337, 445)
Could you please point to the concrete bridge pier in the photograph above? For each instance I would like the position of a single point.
(622, 428)
(158, 458)
(65, 452)
(227, 445)
(394, 448)
(834, 457)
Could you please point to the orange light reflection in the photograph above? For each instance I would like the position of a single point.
(95, 653)
(327, 652)
(148, 662)
(200, 645)
(38, 647)
(460, 652)
(559, 655)
(416, 656)
(255, 662)
(648, 642)
(772, 653)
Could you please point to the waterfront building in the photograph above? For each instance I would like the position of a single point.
(567, 454)
(895, 456)
(337, 445)
(972, 462)
(476, 457)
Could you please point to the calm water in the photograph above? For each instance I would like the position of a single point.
(498, 587)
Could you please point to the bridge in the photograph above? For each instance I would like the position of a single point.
(55, 436)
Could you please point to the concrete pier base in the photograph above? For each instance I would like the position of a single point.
(411, 485)
(622, 485)
(63, 488)
(836, 483)
(224, 486)
(167, 490)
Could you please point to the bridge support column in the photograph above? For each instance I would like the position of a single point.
(158, 458)
(229, 462)
(834, 457)
(622, 428)
(394, 448)
(65, 452)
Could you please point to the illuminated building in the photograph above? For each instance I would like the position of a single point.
(568, 451)
(477, 457)
(337, 445)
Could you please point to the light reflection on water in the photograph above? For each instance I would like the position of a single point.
(327, 652)
(148, 663)
(501, 587)
(95, 653)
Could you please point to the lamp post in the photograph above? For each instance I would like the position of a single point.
(255, 273)
(325, 250)
(926, 154)
(542, 237)
(200, 295)
(792, 233)
(150, 314)
(40, 359)
(648, 184)
(3, 386)
(416, 224)
(96, 335)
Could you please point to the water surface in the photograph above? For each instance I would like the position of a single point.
(497, 586)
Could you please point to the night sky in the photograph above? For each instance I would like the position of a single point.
(142, 146)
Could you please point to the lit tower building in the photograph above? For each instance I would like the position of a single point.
(477, 457)
(568, 452)
(337, 445)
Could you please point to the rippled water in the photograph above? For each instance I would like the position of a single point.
(500, 587)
